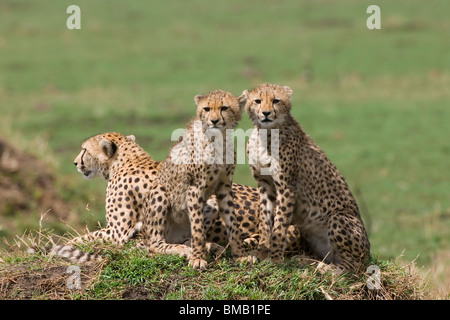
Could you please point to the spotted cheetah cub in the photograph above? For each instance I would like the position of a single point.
(196, 169)
(298, 184)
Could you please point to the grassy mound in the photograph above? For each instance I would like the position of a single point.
(130, 273)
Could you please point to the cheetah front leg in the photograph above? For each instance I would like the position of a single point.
(284, 210)
(267, 197)
(226, 210)
(196, 202)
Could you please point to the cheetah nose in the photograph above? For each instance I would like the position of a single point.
(266, 113)
(214, 122)
(75, 163)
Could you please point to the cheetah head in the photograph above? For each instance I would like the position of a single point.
(219, 109)
(268, 104)
(97, 155)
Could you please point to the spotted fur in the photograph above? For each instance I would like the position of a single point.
(303, 188)
(194, 171)
(130, 172)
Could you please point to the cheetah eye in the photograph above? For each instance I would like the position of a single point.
(207, 109)
(275, 101)
(223, 108)
(258, 101)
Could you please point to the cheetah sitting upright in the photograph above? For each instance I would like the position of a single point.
(199, 165)
(301, 186)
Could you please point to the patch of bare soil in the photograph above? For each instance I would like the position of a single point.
(137, 293)
(51, 282)
(26, 187)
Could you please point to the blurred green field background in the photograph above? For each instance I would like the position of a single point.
(377, 101)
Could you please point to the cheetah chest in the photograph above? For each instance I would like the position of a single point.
(263, 152)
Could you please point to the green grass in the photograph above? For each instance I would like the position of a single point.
(375, 101)
(130, 273)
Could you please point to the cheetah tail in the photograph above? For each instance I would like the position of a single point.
(68, 252)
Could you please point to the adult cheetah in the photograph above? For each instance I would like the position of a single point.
(129, 171)
(298, 184)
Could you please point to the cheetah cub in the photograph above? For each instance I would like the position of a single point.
(196, 169)
(298, 184)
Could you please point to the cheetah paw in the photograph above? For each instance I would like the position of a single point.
(251, 242)
(247, 260)
(215, 249)
(198, 264)
(323, 268)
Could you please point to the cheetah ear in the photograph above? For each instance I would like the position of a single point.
(197, 98)
(108, 147)
(288, 91)
(131, 137)
(242, 100)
